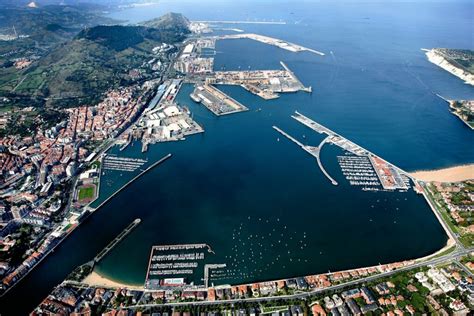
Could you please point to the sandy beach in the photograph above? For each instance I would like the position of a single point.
(95, 279)
(453, 174)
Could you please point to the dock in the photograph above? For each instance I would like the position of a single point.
(117, 240)
(312, 150)
(134, 179)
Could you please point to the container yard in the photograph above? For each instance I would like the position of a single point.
(216, 101)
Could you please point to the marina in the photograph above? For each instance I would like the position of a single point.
(171, 266)
(390, 176)
(131, 181)
(110, 162)
(358, 171)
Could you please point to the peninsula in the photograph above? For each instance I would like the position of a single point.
(455, 61)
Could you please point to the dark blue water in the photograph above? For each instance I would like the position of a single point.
(376, 88)
(262, 204)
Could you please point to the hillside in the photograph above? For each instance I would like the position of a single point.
(30, 21)
(97, 59)
(170, 21)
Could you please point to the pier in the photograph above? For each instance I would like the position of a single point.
(312, 150)
(135, 178)
(117, 239)
(208, 267)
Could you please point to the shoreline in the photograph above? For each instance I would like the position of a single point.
(450, 174)
(441, 61)
(97, 279)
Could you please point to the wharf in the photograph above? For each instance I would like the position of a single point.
(117, 239)
(217, 101)
(292, 74)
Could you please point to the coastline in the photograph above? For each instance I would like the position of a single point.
(438, 59)
(451, 174)
(97, 279)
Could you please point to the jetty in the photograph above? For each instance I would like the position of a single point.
(117, 240)
(312, 150)
(208, 267)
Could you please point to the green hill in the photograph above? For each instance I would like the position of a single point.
(170, 21)
(97, 59)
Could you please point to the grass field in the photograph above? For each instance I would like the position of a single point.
(86, 193)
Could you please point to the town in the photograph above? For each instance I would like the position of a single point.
(443, 287)
(50, 165)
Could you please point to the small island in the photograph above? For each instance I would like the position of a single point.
(459, 62)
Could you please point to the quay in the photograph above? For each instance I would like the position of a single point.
(292, 74)
(117, 239)
(131, 181)
(243, 22)
(295, 48)
(216, 101)
(312, 150)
